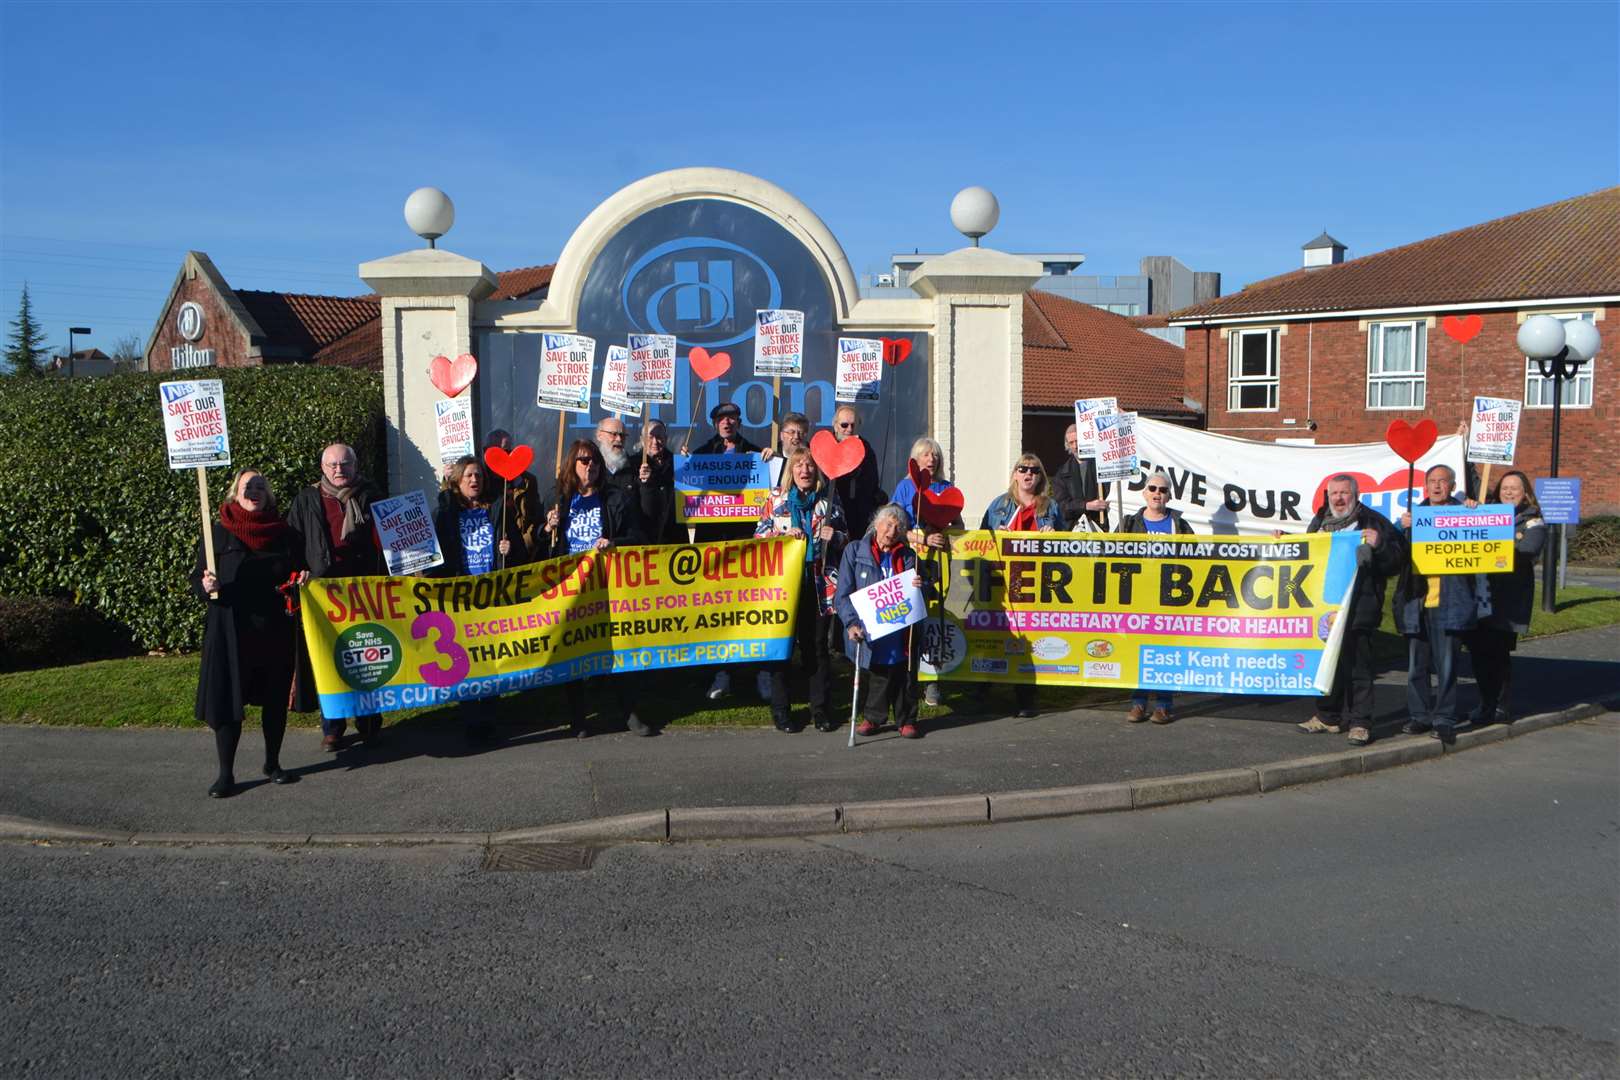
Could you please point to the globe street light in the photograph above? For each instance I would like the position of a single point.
(975, 212)
(430, 213)
(1559, 349)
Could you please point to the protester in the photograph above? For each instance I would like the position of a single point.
(1492, 642)
(654, 486)
(930, 456)
(808, 509)
(794, 435)
(586, 515)
(1433, 634)
(889, 661)
(247, 651)
(333, 517)
(522, 495)
(859, 491)
(1156, 516)
(728, 439)
(617, 469)
(1027, 505)
(1380, 554)
(1075, 487)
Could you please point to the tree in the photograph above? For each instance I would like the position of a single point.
(26, 353)
(128, 352)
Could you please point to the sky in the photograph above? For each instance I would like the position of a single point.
(282, 139)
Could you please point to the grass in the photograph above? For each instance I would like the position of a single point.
(158, 691)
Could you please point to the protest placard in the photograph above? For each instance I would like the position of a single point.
(889, 605)
(405, 530)
(652, 369)
(453, 418)
(1116, 445)
(1560, 499)
(615, 396)
(1493, 434)
(1086, 411)
(720, 487)
(1462, 539)
(860, 369)
(779, 343)
(194, 423)
(566, 363)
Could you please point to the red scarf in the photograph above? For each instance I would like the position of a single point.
(896, 553)
(258, 529)
(1024, 520)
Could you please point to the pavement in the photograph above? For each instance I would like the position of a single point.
(423, 784)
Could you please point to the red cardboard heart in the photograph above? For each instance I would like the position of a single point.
(509, 466)
(707, 365)
(453, 376)
(1411, 441)
(836, 458)
(1462, 328)
(920, 476)
(895, 351)
(941, 510)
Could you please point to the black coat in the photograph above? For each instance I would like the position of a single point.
(655, 499)
(1513, 596)
(307, 516)
(1075, 484)
(1133, 523)
(725, 531)
(248, 638)
(859, 491)
(447, 523)
(621, 522)
(1378, 563)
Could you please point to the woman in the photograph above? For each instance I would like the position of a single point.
(654, 486)
(1155, 517)
(247, 653)
(808, 509)
(928, 455)
(587, 515)
(1028, 505)
(475, 540)
(882, 553)
(1492, 642)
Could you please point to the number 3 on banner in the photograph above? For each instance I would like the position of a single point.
(460, 664)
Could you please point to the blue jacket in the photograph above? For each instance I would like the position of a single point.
(1003, 508)
(1459, 602)
(858, 569)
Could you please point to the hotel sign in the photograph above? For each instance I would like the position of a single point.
(190, 323)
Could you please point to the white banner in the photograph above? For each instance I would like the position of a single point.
(566, 362)
(194, 423)
(453, 418)
(779, 343)
(1086, 411)
(615, 396)
(889, 605)
(405, 531)
(651, 376)
(1494, 433)
(1226, 485)
(860, 369)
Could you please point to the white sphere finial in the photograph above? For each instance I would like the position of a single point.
(430, 213)
(975, 212)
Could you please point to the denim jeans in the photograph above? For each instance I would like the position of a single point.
(1434, 653)
(1165, 698)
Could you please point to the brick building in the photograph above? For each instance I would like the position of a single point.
(1337, 349)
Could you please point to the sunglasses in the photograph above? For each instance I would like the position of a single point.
(1027, 468)
(1156, 487)
(585, 461)
(846, 427)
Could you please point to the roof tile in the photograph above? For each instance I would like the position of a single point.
(1096, 354)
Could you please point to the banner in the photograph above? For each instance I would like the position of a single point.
(378, 644)
(779, 343)
(1116, 445)
(1494, 432)
(720, 488)
(1086, 411)
(652, 369)
(891, 604)
(1227, 486)
(566, 362)
(1462, 539)
(1208, 614)
(194, 423)
(860, 369)
(615, 395)
(410, 544)
(452, 417)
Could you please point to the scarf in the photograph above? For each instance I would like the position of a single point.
(354, 516)
(258, 529)
(1335, 524)
(1024, 520)
(802, 505)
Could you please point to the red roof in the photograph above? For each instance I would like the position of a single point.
(302, 324)
(1073, 350)
(523, 281)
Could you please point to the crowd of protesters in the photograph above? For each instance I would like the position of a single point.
(606, 495)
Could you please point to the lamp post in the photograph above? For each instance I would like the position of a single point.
(1559, 349)
(71, 331)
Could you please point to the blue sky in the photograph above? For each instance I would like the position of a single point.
(282, 139)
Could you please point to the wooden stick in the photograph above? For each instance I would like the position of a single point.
(562, 430)
(776, 413)
(1485, 483)
(207, 526)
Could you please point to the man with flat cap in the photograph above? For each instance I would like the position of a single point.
(728, 439)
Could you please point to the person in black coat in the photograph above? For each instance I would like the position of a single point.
(654, 486)
(1075, 488)
(859, 492)
(1491, 644)
(728, 439)
(247, 653)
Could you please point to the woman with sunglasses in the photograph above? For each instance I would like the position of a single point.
(1155, 517)
(1492, 642)
(587, 515)
(1028, 505)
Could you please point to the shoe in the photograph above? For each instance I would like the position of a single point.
(578, 728)
(721, 684)
(635, 725)
(909, 730)
(372, 731)
(866, 728)
(931, 694)
(331, 743)
(1414, 727)
(1026, 713)
(783, 723)
(762, 684)
(1161, 715)
(223, 788)
(278, 775)
(1317, 726)
(1137, 714)
(825, 723)
(1447, 736)
(1360, 736)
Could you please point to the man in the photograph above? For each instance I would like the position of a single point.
(1433, 634)
(795, 436)
(1074, 486)
(728, 439)
(522, 495)
(334, 518)
(618, 471)
(857, 490)
(1382, 553)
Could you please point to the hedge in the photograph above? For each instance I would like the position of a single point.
(91, 512)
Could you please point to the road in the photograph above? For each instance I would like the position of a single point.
(1455, 918)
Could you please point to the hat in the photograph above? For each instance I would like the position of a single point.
(725, 408)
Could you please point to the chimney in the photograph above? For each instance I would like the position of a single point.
(1323, 251)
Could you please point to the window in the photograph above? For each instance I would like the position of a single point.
(1397, 358)
(1538, 392)
(1251, 384)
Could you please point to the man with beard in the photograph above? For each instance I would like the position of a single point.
(618, 472)
(1075, 488)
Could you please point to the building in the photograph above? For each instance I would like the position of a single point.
(1336, 349)
(86, 363)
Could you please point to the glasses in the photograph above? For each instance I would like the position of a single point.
(1027, 468)
(587, 460)
(614, 434)
(848, 425)
(1156, 487)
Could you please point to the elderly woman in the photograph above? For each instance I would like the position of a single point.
(654, 486)
(807, 509)
(1154, 517)
(475, 540)
(247, 653)
(587, 515)
(1492, 642)
(881, 553)
(1028, 505)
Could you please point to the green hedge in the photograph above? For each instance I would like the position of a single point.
(90, 510)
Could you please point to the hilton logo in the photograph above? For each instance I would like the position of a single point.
(189, 356)
(701, 289)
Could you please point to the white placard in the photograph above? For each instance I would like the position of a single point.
(405, 530)
(891, 604)
(1116, 446)
(453, 419)
(615, 397)
(566, 362)
(860, 369)
(194, 423)
(651, 374)
(779, 343)
(1493, 435)
(1086, 411)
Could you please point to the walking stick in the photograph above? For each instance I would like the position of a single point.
(855, 695)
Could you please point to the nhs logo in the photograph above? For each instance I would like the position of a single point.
(701, 289)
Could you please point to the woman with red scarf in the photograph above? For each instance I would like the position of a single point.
(247, 653)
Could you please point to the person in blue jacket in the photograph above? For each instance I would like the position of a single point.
(1028, 505)
(889, 660)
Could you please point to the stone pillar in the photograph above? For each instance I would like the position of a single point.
(978, 371)
(427, 299)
